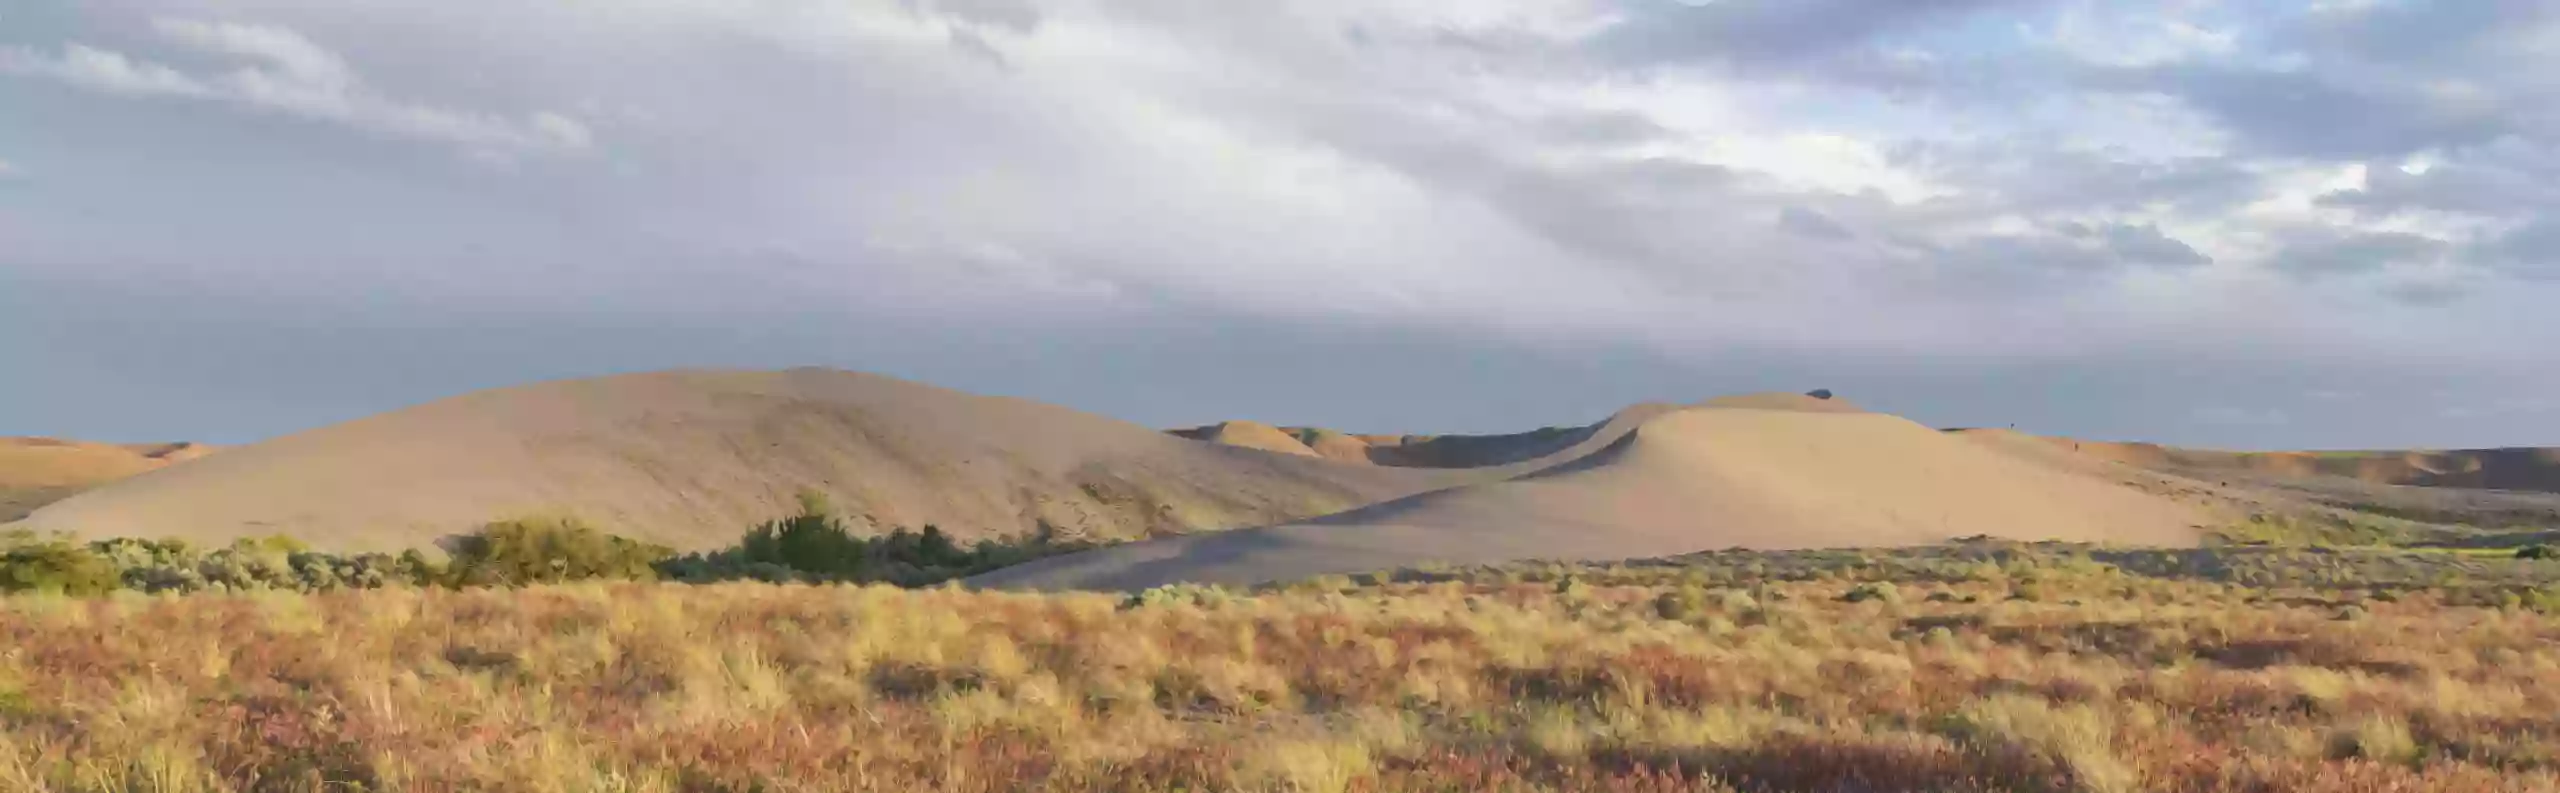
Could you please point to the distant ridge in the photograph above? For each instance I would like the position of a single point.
(37, 471)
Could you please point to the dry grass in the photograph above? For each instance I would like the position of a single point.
(2039, 673)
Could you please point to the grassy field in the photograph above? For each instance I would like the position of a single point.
(1973, 667)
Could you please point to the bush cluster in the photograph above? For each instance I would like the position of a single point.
(817, 547)
(63, 566)
(548, 551)
(813, 546)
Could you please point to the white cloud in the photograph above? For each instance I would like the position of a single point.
(1903, 182)
(101, 70)
(290, 74)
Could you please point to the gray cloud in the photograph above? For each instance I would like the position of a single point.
(289, 74)
(1774, 30)
(1874, 188)
(2528, 251)
(2145, 244)
(1012, 16)
(2326, 252)
(1812, 224)
(2370, 79)
(2324, 115)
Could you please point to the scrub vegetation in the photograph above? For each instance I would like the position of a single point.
(1974, 666)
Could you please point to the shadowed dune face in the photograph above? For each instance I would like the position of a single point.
(1522, 450)
(692, 458)
(35, 472)
(1747, 472)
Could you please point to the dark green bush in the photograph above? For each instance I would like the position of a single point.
(815, 546)
(2537, 552)
(547, 550)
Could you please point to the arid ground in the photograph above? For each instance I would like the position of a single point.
(1981, 666)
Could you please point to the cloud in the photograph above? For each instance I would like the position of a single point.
(2145, 245)
(2007, 183)
(101, 70)
(289, 74)
(2528, 251)
(2332, 252)
(1812, 224)
(1772, 30)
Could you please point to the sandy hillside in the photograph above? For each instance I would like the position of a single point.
(2518, 469)
(1763, 472)
(2491, 488)
(39, 471)
(693, 458)
(1250, 435)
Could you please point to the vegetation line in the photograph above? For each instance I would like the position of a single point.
(813, 546)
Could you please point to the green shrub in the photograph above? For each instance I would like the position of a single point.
(548, 550)
(57, 567)
(815, 546)
(2537, 552)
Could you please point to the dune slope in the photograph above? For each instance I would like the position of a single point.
(1760, 473)
(691, 458)
(39, 471)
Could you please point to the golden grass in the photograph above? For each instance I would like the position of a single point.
(1620, 679)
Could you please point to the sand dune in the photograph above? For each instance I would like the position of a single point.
(2519, 469)
(692, 458)
(1754, 471)
(1250, 435)
(1498, 455)
(39, 471)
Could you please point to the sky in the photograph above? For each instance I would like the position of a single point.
(2317, 224)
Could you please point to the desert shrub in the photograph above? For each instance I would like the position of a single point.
(1685, 603)
(816, 546)
(548, 550)
(2537, 552)
(57, 567)
(1178, 594)
(1880, 590)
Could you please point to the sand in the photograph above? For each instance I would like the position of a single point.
(2520, 469)
(692, 458)
(35, 472)
(1757, 471)
(1250, 435)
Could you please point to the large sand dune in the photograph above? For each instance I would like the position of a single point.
(1760, 472)
(39, 471)
(693, 458)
